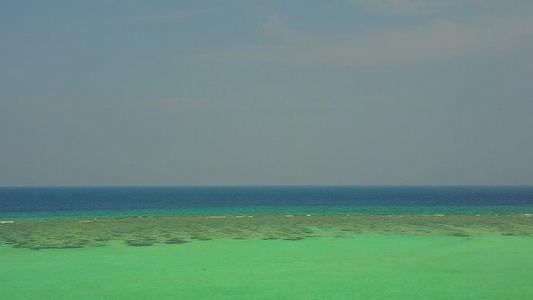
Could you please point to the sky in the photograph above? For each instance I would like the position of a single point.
(299, 92)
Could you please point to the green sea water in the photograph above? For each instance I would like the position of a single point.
(356, 266)
(270, 257)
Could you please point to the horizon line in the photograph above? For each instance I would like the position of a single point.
(266, 185)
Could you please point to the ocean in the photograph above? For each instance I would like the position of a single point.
(53, 202)
(345, 242)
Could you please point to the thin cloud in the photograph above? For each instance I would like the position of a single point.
(434, 40)
(397, 7)
(182, 104)
(178, 15)
(411, 8)
(274, 27)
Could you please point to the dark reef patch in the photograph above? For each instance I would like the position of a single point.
(146, 231)
(138, 243)
(175, 241)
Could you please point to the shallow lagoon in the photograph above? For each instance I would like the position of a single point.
(270, 257)
(363, 266)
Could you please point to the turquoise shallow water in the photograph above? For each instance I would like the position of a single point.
(268, 210)
(363, 266)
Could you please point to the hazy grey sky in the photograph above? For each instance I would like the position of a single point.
(340, 92)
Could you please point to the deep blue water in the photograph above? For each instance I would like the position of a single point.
(125, 201)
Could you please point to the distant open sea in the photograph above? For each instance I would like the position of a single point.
(81, 202)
